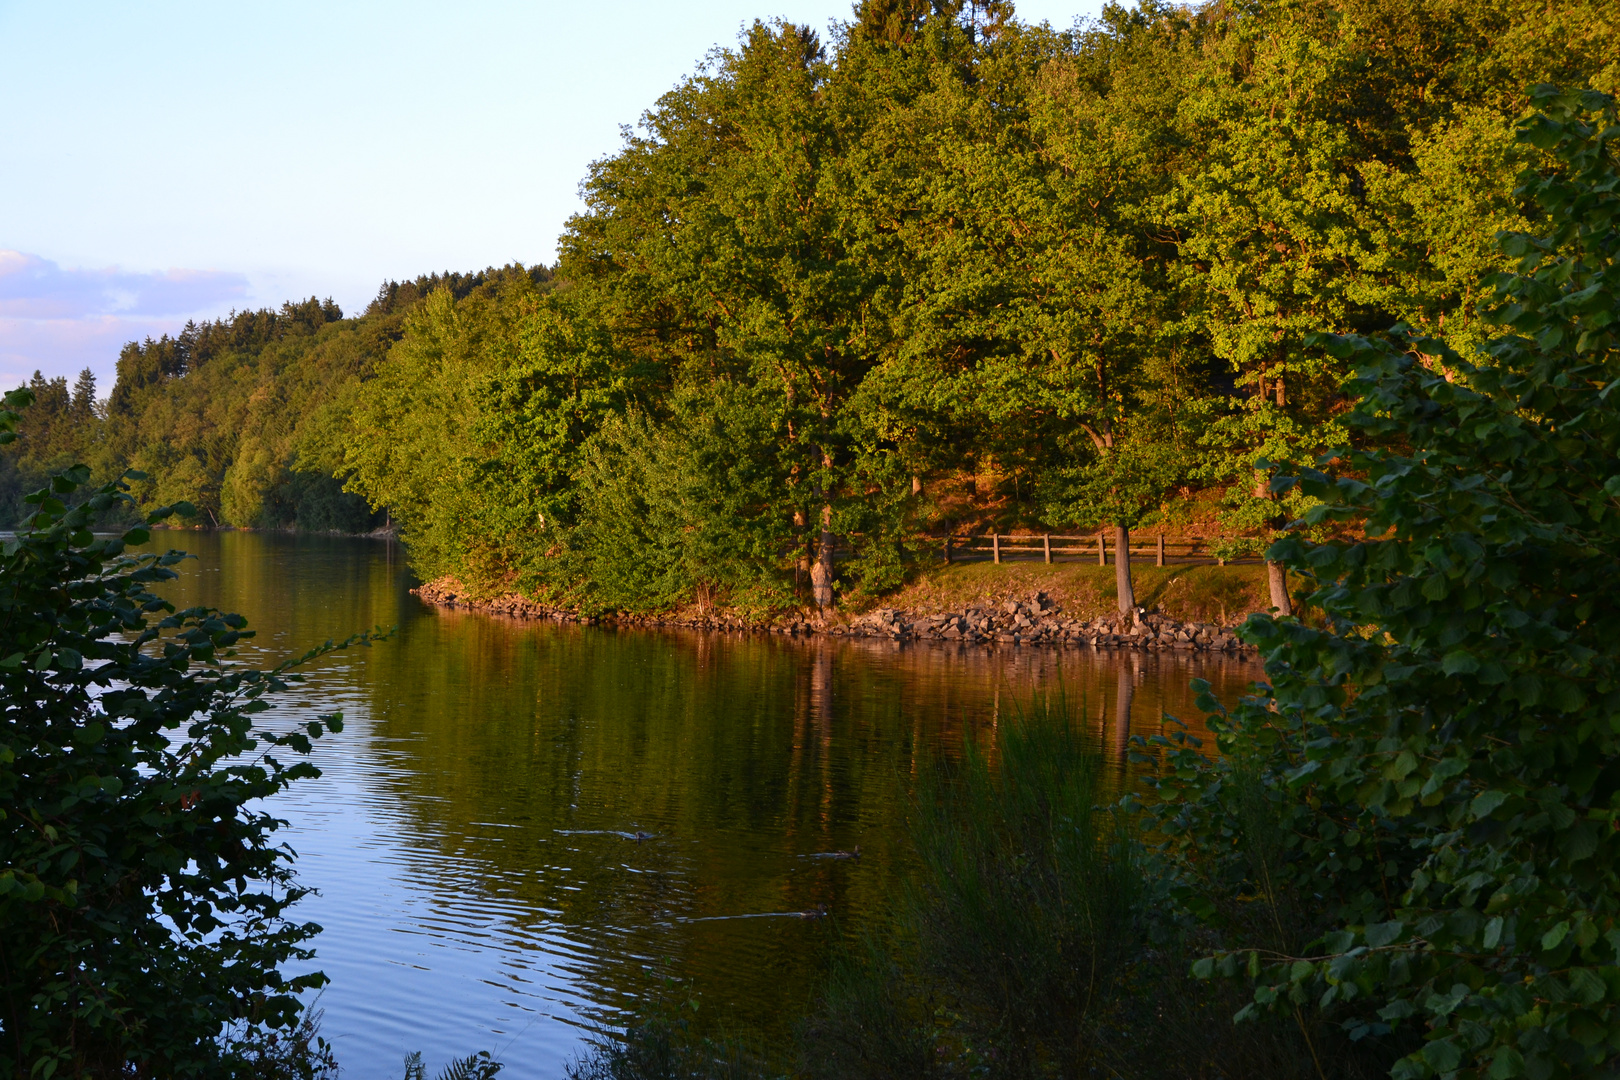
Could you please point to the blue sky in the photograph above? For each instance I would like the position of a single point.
(170, 159)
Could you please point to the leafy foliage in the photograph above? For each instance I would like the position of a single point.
(1013, 950)
(1414, 827)
(949, 268)
(837, 294)
(227, 415)
(144, 925)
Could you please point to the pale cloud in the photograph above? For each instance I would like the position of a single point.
(36, 288)
(60, 320)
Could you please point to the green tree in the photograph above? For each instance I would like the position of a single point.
(710, 247)
(416, 436)
(1279, 243)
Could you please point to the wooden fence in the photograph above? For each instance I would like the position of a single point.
(1051, 548)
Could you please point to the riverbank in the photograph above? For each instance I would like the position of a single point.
(382, 532)
(1184, 608)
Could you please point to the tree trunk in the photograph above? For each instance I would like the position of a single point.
(1122, 573)
(801, 565)
(821, 571)
(1277, 575)
(916, 485)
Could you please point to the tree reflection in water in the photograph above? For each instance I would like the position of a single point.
(527, 824)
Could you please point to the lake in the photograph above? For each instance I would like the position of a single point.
(473, 836)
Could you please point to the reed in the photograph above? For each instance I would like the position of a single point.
(1008, 952)
(660, 1044)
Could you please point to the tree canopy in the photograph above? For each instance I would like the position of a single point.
(937, 269)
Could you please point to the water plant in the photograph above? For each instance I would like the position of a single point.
(479, 1066)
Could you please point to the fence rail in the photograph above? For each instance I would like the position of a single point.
(1099, 547)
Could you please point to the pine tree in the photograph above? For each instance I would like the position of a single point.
(83, 407)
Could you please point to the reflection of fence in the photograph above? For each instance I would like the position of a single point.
(1049, 547)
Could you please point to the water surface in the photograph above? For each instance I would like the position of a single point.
(524, 826)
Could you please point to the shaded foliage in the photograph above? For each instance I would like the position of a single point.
(1422, 801)
(144, 903)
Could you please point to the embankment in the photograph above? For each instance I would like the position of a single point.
(1191, 607)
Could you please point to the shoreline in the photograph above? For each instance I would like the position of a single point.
(1037, 620)
(382, 532)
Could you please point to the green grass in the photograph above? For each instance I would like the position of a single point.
(1216, 594)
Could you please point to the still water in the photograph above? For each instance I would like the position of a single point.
(473, 836)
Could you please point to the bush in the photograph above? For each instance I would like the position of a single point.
(1037, 943)
(1425, 802)
(143, 901)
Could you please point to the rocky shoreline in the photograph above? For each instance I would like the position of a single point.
(1036, 621)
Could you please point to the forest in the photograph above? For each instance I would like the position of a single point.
(936, 268)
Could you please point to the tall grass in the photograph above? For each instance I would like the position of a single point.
(661, 1045)
(1008, 952)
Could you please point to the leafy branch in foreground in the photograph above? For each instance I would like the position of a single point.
(143, 901)
(1416, 827)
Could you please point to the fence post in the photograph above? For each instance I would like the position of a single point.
(1102, 550)
(1161, 549)
(1047, 540)
(947, 549)
(995, 548)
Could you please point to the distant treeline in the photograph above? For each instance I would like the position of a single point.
(222, 414)
(941, 268)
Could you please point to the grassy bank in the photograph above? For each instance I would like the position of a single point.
(1214, 594)
(1223, 595)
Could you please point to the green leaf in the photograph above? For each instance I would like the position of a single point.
(1486, 803)
(1403, 764)
(1442, 1055)
(1506, 1064)
(1380, 934)
(1458, 662)
(1587, 985)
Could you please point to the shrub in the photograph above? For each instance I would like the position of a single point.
(1432, 780)
(143, 901)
